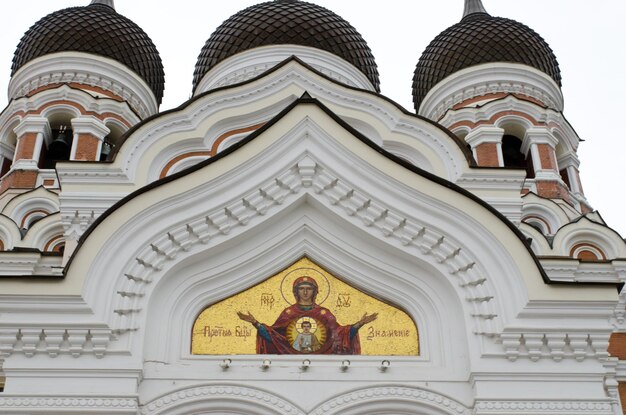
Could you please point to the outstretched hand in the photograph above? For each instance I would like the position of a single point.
(367, 319)
(247, 317)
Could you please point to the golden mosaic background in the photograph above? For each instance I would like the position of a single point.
(218, 330)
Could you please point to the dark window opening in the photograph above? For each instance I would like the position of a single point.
(60, 147)
(565, 178)
(6, 166)
(511, 152)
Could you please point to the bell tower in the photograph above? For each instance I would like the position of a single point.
(496, 84)
(71, 99)
(73, 94)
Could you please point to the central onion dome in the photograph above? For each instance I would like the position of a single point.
(480, 38)
(96, 29)
(285, 22)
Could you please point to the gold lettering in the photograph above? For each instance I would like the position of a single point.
(217, 331)
(267, 300)
(373, 333)
(343, 300)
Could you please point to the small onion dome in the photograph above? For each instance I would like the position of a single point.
(480, 38)
(97, 29)
(284, 22)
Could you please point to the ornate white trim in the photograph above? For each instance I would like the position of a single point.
(32, 341)
(411, 399)
(490, 78)
(88, 404)
(275, 88)
(238, 396)
(29, 263)
(251, 63)
(547, 406)
(84, 68)
(555, 345)
(307, 176)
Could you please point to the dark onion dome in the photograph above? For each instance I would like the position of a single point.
(284, 22)
(97, 29)
(480, 38)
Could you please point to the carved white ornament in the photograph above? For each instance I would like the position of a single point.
(305, 176)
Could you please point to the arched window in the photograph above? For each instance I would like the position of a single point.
(511, 152)
(512, 155)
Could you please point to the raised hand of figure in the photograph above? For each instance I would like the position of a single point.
(247, 317)
(367, 319)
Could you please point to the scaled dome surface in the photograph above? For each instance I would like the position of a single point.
(480, 38)
(97, 29)
(284, 22)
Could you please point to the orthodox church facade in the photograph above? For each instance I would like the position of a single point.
(453, 262)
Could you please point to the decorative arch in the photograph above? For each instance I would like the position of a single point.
(587, 252)
(514, 124)
(210, 115)
(55, 244)
(7, 133)
(234, 399)
(391, 399)
(61, 110)
(248, 401)
(538, 242)
(31, 205)
(538, 223)
(44, 233)
(183, 161)
(231, 137)
(9, 232)
(306, 177)
(586, 235)
(546, 214)
(410, 154)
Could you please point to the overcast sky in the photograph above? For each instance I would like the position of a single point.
(586, 36)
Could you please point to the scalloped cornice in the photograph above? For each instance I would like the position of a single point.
(84, 68)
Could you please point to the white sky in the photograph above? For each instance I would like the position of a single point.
(586, 36)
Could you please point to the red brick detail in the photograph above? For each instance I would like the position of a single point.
(496, 117)
(231, 133)
(175, 160)
(19, 179)
(485, 97)
(26, 146)
(617, 345)
(587, 254)
(495, 96)
(87, 148)
(52, 241)
(79, 107)
(48, 182)
(546, 156)
(553, 190)
(487, 155)
(76, 85)
(27, 216)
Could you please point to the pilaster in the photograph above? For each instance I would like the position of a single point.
(31, 133)
(486, 144)
(89, 133)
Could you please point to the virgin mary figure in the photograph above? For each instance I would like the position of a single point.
(331, 337)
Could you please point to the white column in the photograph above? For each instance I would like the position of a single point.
(91, 126)
(486, 134)
(533, 138)
(31, 125)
